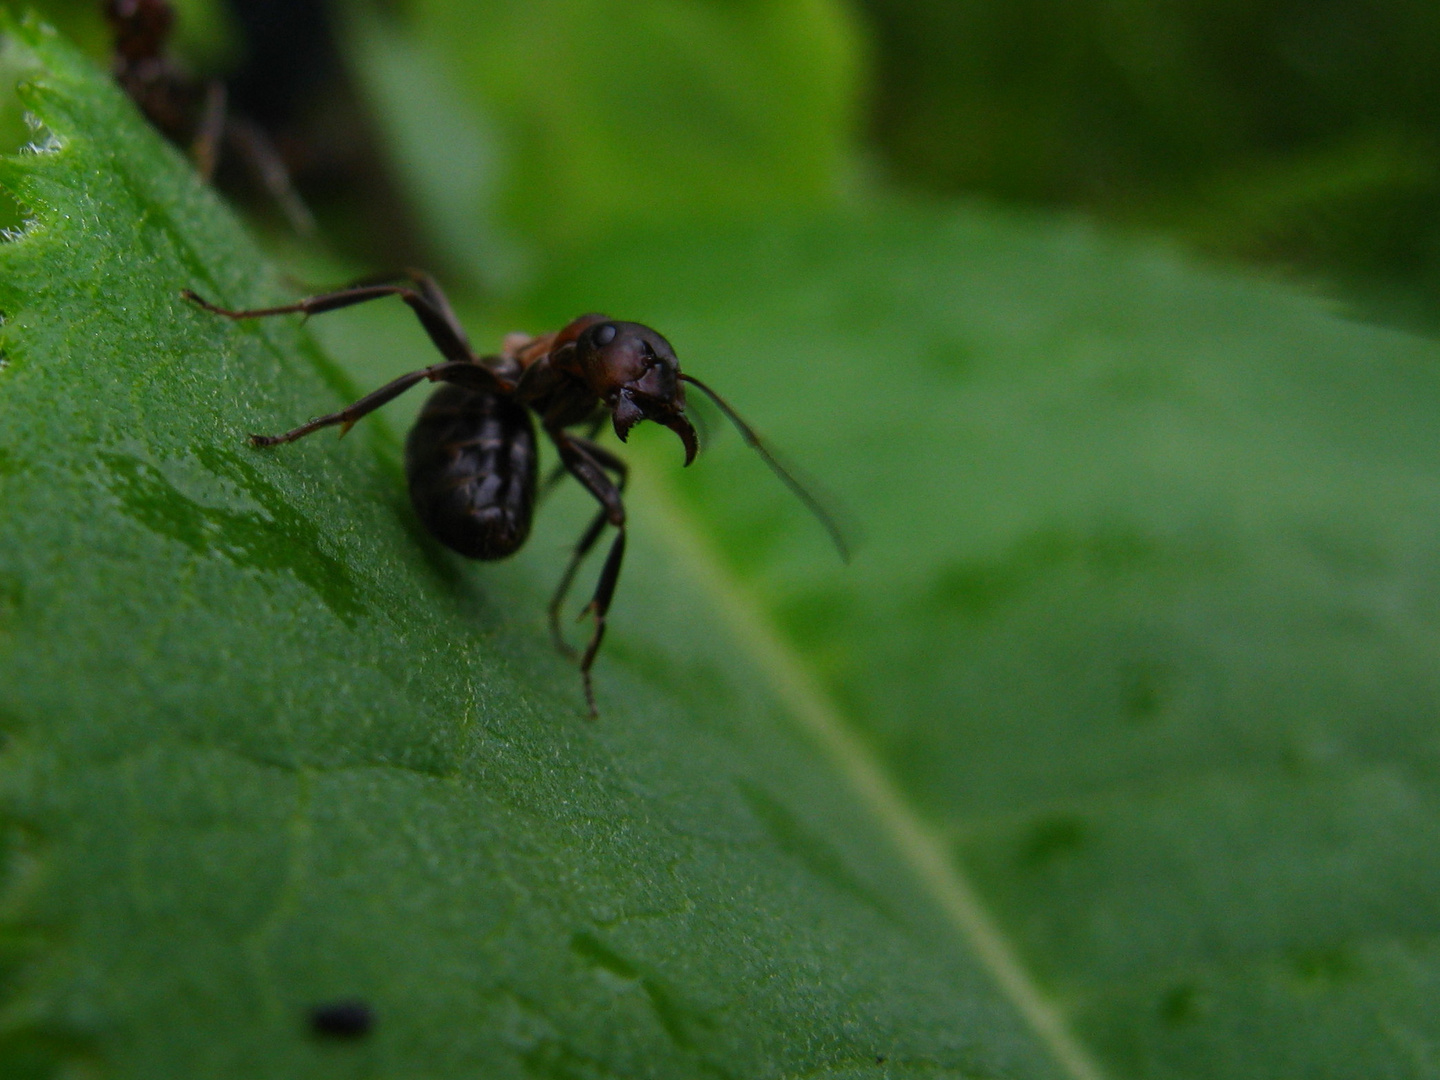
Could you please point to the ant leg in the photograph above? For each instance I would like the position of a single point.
(557, 601)
(596, 423)
(436, 321)
(453, 371)
(205, 149)
(585, 464)
(429, 288)
(254, 147)
(599, 605)
(582, 549)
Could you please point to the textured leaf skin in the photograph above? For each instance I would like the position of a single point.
(267, 747)
(1147, 615)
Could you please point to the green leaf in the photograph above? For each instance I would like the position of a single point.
(1146, 623)
(1111, 755)
(267, 746)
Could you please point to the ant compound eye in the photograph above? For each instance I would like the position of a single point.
(605, 333)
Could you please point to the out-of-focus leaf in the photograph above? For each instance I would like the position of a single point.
(1147, 616)
(654, 110)
(267, 746)
(1138, 651)
(441, 151)
(1304, 134)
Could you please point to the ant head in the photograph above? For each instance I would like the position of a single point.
(633, 370)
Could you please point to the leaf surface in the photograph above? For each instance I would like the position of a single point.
(268, 747)
(1111, 755)
(1145, 622)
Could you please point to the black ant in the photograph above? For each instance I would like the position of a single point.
(192, 113)
(471, 457)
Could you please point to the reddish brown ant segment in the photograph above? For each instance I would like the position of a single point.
(471, 457)
(190, 112)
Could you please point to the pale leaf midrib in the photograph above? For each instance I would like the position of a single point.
(919, 848)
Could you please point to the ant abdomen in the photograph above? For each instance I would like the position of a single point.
(470, 460)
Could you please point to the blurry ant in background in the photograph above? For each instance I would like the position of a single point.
(471, 458)
(194, 113)
(288, 118)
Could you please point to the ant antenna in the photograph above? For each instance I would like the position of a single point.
(753, 441)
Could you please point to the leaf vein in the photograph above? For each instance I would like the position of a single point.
(918, 846)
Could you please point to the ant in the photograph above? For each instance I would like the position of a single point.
(470, 459)
(193, 112)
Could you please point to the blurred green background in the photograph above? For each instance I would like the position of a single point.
(491, 139)
(1146, 628)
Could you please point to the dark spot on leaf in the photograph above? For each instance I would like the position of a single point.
(974, 589)
(1179, 1005)
(823, 620)
(11, 595)
(9, 463)
(977, 588)
(342, 1019)
(281, 540)
(1345, 553)
(1116, 550)
(1132, 383)
(1144, 688)
(1319, 969)
(793, 838)
(678, 1021)
(947, 356)
(1050, 839)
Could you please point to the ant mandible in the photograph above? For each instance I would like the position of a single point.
(471, 457)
